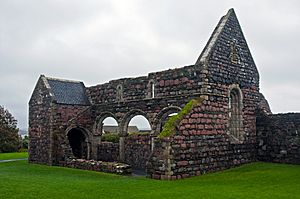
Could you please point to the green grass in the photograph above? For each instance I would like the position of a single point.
(15, 155)
(256, 180)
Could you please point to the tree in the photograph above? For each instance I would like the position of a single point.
(9, 138)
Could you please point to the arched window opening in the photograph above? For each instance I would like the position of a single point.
(152, 89)
(235, 114)
(119, 94)
(163, 116)
(78, 143)
(110, 130)
(138, 124)
(165, 119)
(110, 125)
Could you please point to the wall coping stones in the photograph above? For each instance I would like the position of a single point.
(100, 166)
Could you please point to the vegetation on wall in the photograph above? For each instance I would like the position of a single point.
(110, 137)
(9, 138)
(138, 133)
(170, 126)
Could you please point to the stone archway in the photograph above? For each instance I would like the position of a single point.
(163, 116)
(79, 144)
(98, 126)
(128, 116)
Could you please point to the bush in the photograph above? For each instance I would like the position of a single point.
(111, 137)
(170, 126)
(25, 142)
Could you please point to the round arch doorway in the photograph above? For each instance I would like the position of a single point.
(79, 144)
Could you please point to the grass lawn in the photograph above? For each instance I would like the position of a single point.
(257, 180)
(15, 155)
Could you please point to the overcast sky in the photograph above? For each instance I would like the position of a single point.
(97, 40)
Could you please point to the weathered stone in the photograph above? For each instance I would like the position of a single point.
(66, 118)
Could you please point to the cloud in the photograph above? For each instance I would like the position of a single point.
(96, 41)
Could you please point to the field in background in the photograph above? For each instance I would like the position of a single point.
(15, 155)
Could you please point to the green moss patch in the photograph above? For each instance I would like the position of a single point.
(173, 121)
(110, 137)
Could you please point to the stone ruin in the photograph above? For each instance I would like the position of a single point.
(231, 123)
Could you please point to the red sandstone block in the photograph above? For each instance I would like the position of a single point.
(161, 83)
(183, 145)
(208, 126)
(200, 126)
(195, 115)
(191, 121)
(185, 175)
(167, 83)
(178, 137)
(182, 163)
(184, 121)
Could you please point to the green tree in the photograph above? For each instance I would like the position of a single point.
(25, 142)
(9, 138)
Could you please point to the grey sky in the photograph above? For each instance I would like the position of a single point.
(98, 40)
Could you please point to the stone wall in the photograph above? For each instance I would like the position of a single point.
(92, 165)
(61, 123)
(108, 152)
(40, 116)
(203, 144)
(278, 138)
(137, 150)
(173, 82)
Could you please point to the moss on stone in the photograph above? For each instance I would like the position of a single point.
(170, 126)
(110, 137)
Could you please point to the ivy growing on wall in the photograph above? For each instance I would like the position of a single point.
(170, 126)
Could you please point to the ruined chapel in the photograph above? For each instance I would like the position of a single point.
(222, 118)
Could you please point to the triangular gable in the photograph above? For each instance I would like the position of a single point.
(227, 47)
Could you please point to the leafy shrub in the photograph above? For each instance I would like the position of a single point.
(170, 126)
(25, 142)
(110, 137)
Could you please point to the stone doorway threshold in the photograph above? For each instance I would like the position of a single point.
(12, 160)
(138, 173)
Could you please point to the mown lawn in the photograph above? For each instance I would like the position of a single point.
(15, 155)
(257, 180)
